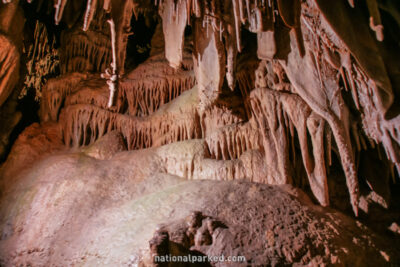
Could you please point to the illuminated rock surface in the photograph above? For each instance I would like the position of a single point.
(267, 129)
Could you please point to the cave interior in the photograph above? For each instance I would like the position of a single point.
(267, 130)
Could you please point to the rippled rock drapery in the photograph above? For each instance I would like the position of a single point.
(274, 92)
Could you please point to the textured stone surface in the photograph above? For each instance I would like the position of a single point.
(104, 212)
(201, 117)
(107, 146)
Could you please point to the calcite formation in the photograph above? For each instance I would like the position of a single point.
(11, 24)
(299, 93)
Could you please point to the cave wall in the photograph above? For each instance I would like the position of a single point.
(11, 26)
(291, 82)
(140, 94)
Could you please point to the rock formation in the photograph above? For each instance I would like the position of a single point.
(202, 128)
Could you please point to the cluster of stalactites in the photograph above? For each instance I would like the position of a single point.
(224, 17)
(82, 52)
(221, 20)
(245, 11)
(219, 17)
(42, 61)
(279, 115)
(83, 124)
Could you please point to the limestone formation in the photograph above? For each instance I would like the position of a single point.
(202, 128)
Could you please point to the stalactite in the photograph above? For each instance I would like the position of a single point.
(298, 113)
(209, 63)
(375, 19)
(142, 92)
(231, 141)
(89, 14)
(95, 92)
(83, 124)
(318, 177)
(305, 74)
(217, 117)
(145, 96)
(174, 19)
(84, 51)
(266, 46)
(267, 110)
(305, 121)
(54, 93)
(231, 64)
(363, 47)
(163, 127)
(236, 11)
(374, 124)
(112, 74)
(121, 14)
(59, 6)
(155, 83)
